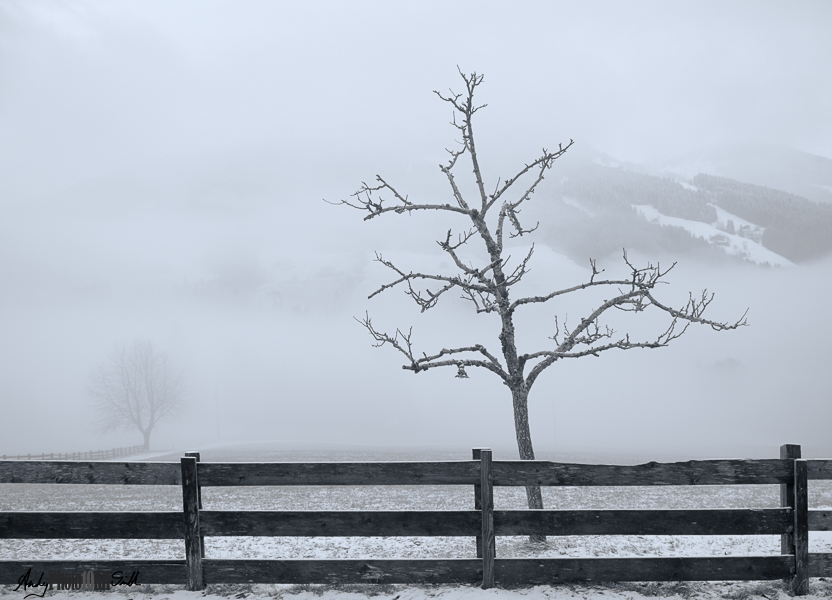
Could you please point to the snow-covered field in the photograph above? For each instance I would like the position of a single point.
(733, 244)
(622, 591)
(109, 498)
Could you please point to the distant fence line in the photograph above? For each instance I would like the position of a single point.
(91, 455)
(792, 521)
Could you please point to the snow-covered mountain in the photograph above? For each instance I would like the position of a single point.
(602, 205)
(777, 167)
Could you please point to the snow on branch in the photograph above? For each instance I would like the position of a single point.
(637, 296)
(402, 342)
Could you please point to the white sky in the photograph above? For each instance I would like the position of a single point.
(88, 87)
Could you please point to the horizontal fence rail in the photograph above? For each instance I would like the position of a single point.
(80, 472)
(145, 525)
(347, 473)
(792, 521)
(89, 455)
(694, 472)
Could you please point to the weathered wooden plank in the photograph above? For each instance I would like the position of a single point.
(339, 523)
(788, 452)
(149, 571)
(693, 472)
(415, 473)
(92, 525)
(820, 520)
(644, 522)
(489, 548)
(199, 504)
(543, 571)
(820, 564)
(800, 582)
(508, 571)
(71, 471)
(169, 525)
(818, 468)
(475, 454)
(193, 548)
(345, 473)
(343, 571)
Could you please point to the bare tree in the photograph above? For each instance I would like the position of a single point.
(488, 218)
(136, 387)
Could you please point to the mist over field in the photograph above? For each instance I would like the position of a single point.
(163, 167)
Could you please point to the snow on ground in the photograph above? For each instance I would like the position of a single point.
(618, 591)
(733, 244)
(723, 217)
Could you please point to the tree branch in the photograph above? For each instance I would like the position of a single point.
(638, 298)
(429, 302)
(402, 342)
(364, 201)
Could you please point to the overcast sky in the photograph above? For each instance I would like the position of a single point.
(155, 154)
(88, 87)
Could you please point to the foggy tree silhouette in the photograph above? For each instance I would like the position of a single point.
(488, 286)
(136, 387)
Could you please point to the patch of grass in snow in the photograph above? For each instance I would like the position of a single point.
(657, 589)
(759, 590)
(361, 589)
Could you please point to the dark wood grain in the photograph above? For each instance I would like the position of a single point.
(820, 564)
(644, 522)
(190, 501)
(547, 571)
(340, 523)
(694, 472)
(818, 468)
(346, 473)
(820, 520)
(150, 571)
(92, 525)
(800, 582)
(199, 504)
(72, 471)
(475, 454)
(343, 571)
(489, 549)
(788, 452)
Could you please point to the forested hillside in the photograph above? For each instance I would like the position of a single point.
(595, 216)
(795, 227)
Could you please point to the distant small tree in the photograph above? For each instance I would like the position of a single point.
(136, 386)
(490, 284)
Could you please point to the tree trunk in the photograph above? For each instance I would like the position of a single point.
(520, 400)
(146, 433)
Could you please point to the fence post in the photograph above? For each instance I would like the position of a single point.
(487, 502)
(788, 451)
(199, 503)
(475, 452)
(800, 581)
(190, 502)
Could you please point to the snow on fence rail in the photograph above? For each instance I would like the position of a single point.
(91, 455)
(792, 521)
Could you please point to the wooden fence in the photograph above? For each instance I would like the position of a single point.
(792, 521)
(90, 455)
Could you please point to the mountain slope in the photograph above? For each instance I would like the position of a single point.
(599, 209)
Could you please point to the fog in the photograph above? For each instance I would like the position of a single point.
(163, 169)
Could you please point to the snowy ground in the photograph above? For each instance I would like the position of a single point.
(622, 591)
(733, 244)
